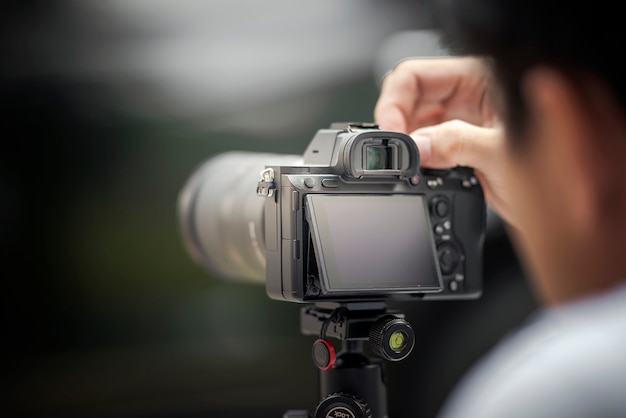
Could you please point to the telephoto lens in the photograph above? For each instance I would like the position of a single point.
(221, 218)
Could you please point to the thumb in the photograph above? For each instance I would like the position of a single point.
(455, 143)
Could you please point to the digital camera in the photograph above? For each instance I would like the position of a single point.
(358, 220)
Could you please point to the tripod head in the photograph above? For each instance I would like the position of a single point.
(353, 385)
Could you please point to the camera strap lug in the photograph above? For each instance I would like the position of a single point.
(266, 187)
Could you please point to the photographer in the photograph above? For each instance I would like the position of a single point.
(541, 118)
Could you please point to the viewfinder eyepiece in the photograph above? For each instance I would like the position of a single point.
(381, 157)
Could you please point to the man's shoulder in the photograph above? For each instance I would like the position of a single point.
(585, 329)
(567, 361)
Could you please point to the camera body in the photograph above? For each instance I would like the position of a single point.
(359, 221)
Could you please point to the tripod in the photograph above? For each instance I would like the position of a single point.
(351, 384)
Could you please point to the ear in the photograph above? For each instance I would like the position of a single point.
(585, 127)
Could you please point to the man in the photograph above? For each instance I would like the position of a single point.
(540, 114)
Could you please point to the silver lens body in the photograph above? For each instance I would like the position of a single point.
(221, 217)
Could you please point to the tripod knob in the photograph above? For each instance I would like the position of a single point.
(392, 338)
(323, 353)
(342, 405)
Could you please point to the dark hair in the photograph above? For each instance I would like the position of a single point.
(574, 37)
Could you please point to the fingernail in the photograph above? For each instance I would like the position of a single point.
(423, 143)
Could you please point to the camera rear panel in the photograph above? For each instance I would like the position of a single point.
(458, 215)
(455, 216)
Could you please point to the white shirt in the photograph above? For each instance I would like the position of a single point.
(569, 362)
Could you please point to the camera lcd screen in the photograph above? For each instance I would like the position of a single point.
(373, 243)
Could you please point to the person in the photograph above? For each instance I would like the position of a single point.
(531, 104)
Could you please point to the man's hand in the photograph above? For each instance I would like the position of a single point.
(443, 104)
(425, 91)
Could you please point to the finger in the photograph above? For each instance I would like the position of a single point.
(455, 143)
(391, 117)
(412, 93)
(398, 98)
(423, 92)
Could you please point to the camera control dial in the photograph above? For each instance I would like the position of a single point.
(440, 206)
(449, 257)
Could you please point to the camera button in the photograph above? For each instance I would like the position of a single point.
(472, 181)
(309, 182)
(454, 286)
(434, 183)
(440, 206)
(439, 229)
(330, 183)
(449, 258)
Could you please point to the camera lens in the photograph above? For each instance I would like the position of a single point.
(379, 157)
(221, 216)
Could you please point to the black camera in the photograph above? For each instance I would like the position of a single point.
(353, 219)
(358, 220)
(345, 227)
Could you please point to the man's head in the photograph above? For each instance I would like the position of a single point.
(578, 38)
(563, 105)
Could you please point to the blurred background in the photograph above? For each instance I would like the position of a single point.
(106, 109)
